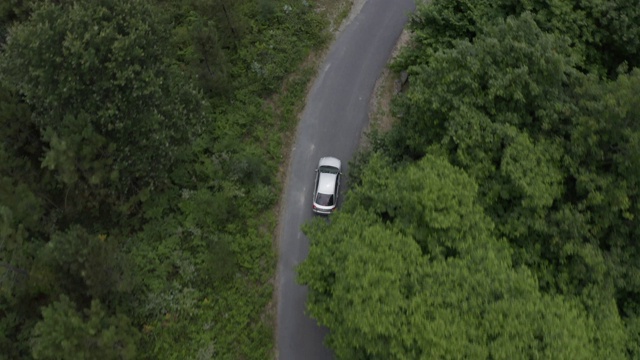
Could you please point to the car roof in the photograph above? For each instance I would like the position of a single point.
(327, 183)
(330, 161)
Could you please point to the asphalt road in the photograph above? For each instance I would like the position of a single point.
(331, 125)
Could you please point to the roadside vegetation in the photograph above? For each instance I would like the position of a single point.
(141, 144)
(499, 217)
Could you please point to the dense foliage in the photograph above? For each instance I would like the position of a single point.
(410, 269)
(500, 216)
(138, 164)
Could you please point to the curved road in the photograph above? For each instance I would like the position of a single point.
(331, 124)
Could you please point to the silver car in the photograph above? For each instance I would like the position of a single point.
(327, 185)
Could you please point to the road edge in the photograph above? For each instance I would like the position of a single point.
(356, 6)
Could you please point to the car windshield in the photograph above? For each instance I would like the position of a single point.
(329, 169)
(324, 199)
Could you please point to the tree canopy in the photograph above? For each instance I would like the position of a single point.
(138, 173)
(505, 193)
(94, 64)
(419, 274)
(66, 334)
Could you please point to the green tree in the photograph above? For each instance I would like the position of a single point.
(496, 107)
(107, 163)
(85, 266)
(411, 269)
(114, 115)
(554, 151)
(437, 25)
(13, 11)
(65, 333)
(603, 165)
(513, 74)
(22, 222)
(604, 33)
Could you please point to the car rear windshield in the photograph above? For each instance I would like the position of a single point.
(324, 199)
(329, 169)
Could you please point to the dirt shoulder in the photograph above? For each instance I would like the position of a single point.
(387, 86)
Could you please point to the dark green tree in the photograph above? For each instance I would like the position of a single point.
(66, 333)
(603, 175)
(554, 151)
(13, 11)
(86, 266)
(113, 113)
(604, 33)
(439, 24)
